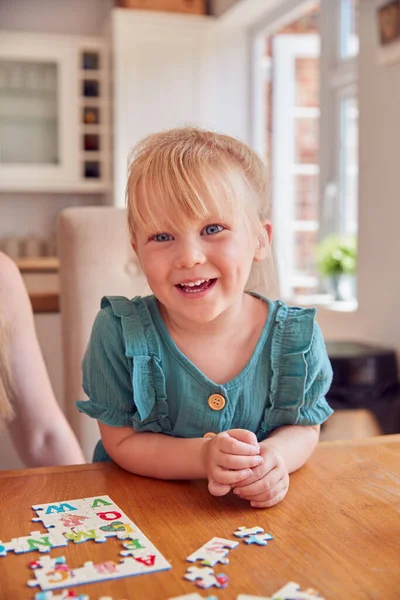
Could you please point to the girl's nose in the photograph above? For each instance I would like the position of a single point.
(189, 254)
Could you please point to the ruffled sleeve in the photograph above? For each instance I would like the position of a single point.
(301, 372)
(107, 374)
(122, 371)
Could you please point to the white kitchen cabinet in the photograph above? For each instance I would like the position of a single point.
(54, 113)
(164, 76)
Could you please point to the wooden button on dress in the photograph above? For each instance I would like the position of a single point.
(216, 402)
(209, 434)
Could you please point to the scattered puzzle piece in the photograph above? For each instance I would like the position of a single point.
(65, 595)
(244, 531)
(260, 539)
(62, 596)
(290, 591)
(204, 577)
(212, 552)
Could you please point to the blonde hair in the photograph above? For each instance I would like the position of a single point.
(6, 411)
(191, 174)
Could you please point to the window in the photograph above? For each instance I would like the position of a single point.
(339, 124)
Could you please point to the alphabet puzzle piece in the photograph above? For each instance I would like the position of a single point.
(214, 551)
(204, 577)
(65, 595)
(62, 596)
(8, 546)
(36, 540)
(245, 531)
(290, 591)
(260, 539)
(53, 573)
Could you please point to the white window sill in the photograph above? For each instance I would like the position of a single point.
(325, 301)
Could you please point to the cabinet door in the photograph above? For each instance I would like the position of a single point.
(38, 125)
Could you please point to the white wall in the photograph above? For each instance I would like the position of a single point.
(379, 205)
(25, 214)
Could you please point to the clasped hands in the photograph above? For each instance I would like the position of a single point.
(234, 460)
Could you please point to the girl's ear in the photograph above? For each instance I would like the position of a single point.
(264, 240)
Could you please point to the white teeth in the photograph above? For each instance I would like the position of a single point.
(194, 283)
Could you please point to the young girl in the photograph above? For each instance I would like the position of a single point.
(204, 379)
(37, 426)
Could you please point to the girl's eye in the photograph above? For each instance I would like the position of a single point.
(212, 229)
(161, 237)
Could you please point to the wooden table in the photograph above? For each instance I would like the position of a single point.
(338, 530)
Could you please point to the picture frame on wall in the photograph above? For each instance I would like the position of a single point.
(388, 24)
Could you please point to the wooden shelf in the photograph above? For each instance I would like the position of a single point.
(45, 302)
(45, 264)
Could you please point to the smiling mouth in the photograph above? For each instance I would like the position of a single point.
(194, 287)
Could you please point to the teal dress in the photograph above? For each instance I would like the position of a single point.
(136, 376)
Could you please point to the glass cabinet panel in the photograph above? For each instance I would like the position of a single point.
(28, 113)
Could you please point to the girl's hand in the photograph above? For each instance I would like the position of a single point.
(229, 458)
(269, 482)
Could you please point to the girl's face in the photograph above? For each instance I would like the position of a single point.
(200, 271)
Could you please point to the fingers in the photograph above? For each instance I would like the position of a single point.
(271, 502)
(229, 477)
(218, 489)
(231, 445)
(264, 495)
(235, 461)
(244, 435)
(262, 486)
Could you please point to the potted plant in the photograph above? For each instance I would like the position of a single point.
(337, 259)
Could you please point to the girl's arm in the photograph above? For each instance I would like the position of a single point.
(295, 443)
(155, 454)
(224, 458)
(39, 430)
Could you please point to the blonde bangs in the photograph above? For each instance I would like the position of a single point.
(175, 180)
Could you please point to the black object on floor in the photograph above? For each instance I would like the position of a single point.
(365, 376)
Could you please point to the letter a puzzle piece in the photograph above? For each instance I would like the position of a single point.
(214, 551)
(204, 577)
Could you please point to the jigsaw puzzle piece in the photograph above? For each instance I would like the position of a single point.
(65, 506)
(213, 552)
(43, 542)
(53, 573)
(259, 539)
(61, 596)
(204, 577)
(9, 546)
(244, 531)
(291, 591)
